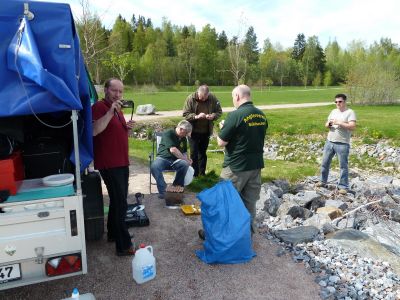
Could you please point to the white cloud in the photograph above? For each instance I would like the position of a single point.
(278, 20)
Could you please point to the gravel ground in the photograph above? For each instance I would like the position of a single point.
(180, 274)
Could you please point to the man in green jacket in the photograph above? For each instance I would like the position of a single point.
(243, 134)
(201, 109)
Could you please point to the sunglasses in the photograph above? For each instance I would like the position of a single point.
(339, 101)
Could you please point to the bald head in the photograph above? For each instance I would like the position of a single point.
(240, 95)
(202, 92)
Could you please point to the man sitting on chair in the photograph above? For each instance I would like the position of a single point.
(171, 156)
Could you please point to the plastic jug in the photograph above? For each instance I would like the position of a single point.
(143, 264)
(76, 295)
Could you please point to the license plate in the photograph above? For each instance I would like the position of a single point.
(10, 273)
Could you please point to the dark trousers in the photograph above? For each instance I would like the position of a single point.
(116, 181)
(198, 152)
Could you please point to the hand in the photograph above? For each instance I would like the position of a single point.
(116, 105)
(201, 116)
(221, 124)
(189, 161)
(130, 124)
(210, 117)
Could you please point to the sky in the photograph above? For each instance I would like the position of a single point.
(279, 20)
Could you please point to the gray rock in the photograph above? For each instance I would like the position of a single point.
(305, 197)
(272, 203)
(317, 220)
(297, 235)
(146, 109)
(299, 212)
(350, 234)
(380, 180)
(336, 203)
(269, 185)
(286, 204)
(282, 184)
(328, 228)
(387, 233)
(394, 215)
(388, 202)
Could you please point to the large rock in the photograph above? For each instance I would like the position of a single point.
(276, 189)
(146, 109)
(387, 233)
(361, 243)
(282, 184)
(287, 203)
(297, 235)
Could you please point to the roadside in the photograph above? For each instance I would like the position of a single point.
(180, 274)
(178, 113)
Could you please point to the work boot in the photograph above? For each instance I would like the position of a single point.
(202, 234)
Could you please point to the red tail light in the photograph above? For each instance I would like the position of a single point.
(61, 265)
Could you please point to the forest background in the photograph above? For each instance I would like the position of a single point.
(170, 56)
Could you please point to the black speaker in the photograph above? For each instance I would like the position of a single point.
(93, 206)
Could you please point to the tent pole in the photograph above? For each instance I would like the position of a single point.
(74, 119)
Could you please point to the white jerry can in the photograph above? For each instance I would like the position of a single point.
(143, 264)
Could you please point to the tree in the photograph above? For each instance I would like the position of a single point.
(121, 36)
(93, 39)
(187, 55)
(222, 41)
(121, 64)
(313, 60)
(206, 54)
(299, 47)
(251, 46)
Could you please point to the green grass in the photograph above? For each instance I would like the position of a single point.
(174, 100)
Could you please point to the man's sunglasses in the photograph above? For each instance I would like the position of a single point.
(340, 101)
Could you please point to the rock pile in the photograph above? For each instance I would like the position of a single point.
(351, 241)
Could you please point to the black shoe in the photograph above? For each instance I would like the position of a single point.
(128, 252)
(112, 239)
(202, 234)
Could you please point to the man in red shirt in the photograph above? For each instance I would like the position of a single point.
(110, 143)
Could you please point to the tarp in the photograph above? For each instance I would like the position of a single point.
(41, 66)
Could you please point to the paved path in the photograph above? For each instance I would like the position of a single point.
(178, 113)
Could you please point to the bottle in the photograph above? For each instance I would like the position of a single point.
(143, 264)
(75, 294)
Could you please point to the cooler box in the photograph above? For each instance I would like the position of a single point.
(11, 173)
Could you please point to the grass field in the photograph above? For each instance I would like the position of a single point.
(374, 123)
(174, 100)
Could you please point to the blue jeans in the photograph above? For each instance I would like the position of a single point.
(162, 164)
(342, 151)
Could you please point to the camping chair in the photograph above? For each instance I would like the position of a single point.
(152, 156)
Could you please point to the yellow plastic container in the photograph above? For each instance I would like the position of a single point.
(192, 209)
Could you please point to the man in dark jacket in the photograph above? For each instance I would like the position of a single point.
(201, 109)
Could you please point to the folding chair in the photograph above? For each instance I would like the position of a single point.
(152, 156)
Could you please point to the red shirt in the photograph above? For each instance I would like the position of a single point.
(111, 145)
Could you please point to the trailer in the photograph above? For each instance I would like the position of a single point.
(44, 82)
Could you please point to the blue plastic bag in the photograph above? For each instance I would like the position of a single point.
(226, 224)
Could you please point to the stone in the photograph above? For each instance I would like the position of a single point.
(287, 203)
(317, 220)
(331, 211)
(305, 197)
(394, 215)
(272, 203)
(297, 235)
(388, 202)
(388, 234)
(336, 203)
(328, 228)
(282, 184)
(146, 109)
(299, 212)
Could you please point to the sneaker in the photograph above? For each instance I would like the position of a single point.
(202, 234)
(321, 184)
(128, 252)
(342, 191)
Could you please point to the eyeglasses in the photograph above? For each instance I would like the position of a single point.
(340, 101)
